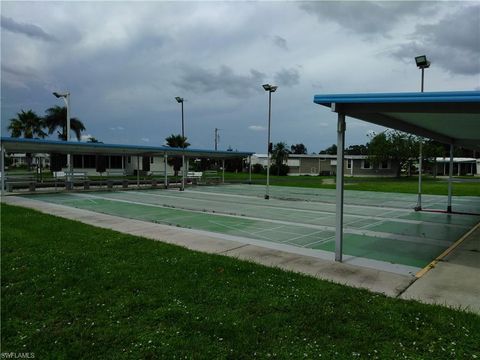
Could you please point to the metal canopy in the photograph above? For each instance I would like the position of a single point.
(50, 146)
(449, 117)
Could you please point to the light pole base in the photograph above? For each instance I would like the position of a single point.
(267, 197)
(449, 209)
(417, 208)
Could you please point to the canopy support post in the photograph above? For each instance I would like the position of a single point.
(250, 169)
(165, 180)
(420, 158)
(2, 153)
(223, 171)
(450, 175)
(339, 187)
(182, 186)
(138, 171)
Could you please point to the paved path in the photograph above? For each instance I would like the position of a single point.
(454, 282)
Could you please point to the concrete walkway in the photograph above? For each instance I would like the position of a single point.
(455, 280)
(439, 285)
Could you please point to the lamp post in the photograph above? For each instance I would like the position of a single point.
(217, 137)
(182, 187)
(270, 89)
(66, 98)
(422, 63)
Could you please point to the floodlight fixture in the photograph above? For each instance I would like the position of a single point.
(179, 99)
(422, 61)
(270, 88)
(58, 95)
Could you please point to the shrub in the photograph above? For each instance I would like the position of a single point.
(258, 168)
(282, 170)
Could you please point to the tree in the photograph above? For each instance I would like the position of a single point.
(91, 139)
(176, 141)
(298, 149)
(56, 118)
(356, 150)
(392, 145)
(29, 125)
(332, 150)
(431, 150)
(280, 155)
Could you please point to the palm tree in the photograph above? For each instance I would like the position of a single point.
(92, 139)
(280, 155)
(177, 141)
(30, 126)
(57, 118)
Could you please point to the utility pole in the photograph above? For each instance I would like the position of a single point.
(216, 138)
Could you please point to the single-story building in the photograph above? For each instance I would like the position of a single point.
(89, 157)
(20, 159)
(322, 164)
(461, 166)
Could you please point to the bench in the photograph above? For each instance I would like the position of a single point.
(75, 175)
(20, 180)
(211, 176)
(119, 172)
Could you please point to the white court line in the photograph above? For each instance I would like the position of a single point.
(321, 242)
(302, 236)
(240, 230)
(326, 213)
(399, 237)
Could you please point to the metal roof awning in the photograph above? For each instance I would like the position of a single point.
(448, 117)
(74, 147)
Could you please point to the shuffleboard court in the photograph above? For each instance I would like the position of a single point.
(378, 226)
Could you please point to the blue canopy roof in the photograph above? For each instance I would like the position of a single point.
(449, 117)
(76, 147)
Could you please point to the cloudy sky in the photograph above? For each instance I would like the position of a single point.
(124, 62)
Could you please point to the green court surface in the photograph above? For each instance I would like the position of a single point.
(382, 227)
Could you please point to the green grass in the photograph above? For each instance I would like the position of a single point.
(72, 291)
(409, 185)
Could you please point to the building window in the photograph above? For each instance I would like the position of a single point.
(89, 161)
(151, 159)
(129, 159)
(349, 164)
(77, 161)
(115, 162)
(384, 165)
(366, 164)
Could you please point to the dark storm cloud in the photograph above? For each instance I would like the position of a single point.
(29, 30)
(17, 72)
(364, 17)
(287, 77)
(280, 42)
(203, 80)
(452, 43)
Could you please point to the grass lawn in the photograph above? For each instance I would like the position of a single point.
(430, 185)
(72, 291)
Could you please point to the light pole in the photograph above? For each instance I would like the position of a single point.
(66, 97)
(217, 137)
(270, 89)
(182, 187)
(422, 63)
